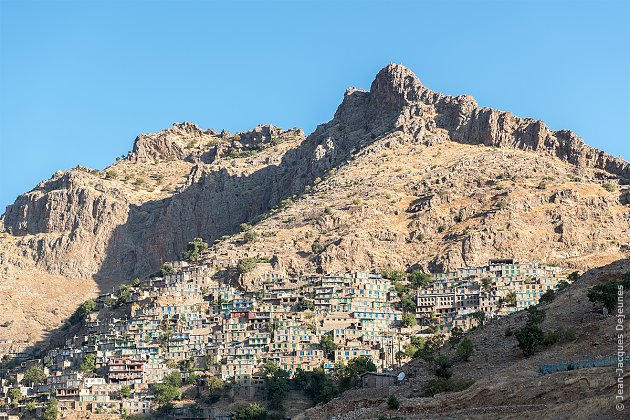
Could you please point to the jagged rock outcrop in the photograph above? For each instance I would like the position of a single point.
(65, 223)
(168, 144)
(397, 88)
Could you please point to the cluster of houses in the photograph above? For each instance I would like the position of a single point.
(499, 288)
(190, 322)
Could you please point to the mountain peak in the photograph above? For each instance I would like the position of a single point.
(395, 84)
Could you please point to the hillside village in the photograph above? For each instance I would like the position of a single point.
(185, 326)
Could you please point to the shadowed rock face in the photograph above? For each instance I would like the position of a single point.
(77, 223)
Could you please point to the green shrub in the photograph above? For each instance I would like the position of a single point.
(548, 296)
(317, 247)
(34, 376)
(465, 349)
(82, 311)
(542, 185)
(487, 284)
(111, 174)
(606, 294)
(436, 386)
(551, 338)
(394, 275)
(510, 299)
(246, 265)
(408, 320)
(609, 187)
(531, 336)
(15, 396)
(167, 269)
(569, 334)
(89, 363)
(251, 412)
(125, 391)
(393, 403)
(250, 236)
(418, 279)
(51, 410)
(194, 249)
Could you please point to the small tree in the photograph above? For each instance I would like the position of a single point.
(125, 391)
(167, 269)
(605, 293)
(245, 265)
(548, 296)
(443, 367)
(89, 363)
(479, 316)
(531, 336)
(14, 395)
(194, 249)
(82, 311)
(34, 376)
(51, 411)
(328, 345)
(348, 375)
(251, 412)
(510, 299)
(418, 279)
(407, 303)
(456, 335)
(465, 349)
(574, 276)
(277, 388)
(173, 379)
(487, 283)
(408, 320)
(535, 316)
(168, 391)
(124, 292)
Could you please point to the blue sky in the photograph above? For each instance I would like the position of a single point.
(79, 80)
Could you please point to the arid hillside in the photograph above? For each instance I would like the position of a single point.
(401, 176)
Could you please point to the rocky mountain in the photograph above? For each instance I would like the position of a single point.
(401, 176)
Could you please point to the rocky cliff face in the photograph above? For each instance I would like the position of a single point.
(185, 182)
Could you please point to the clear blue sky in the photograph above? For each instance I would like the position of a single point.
(79, 80)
